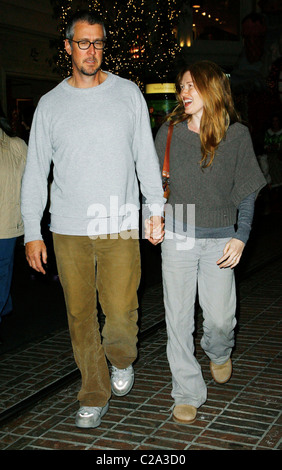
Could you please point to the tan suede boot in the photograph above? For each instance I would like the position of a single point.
(185, 414)
(221, 373)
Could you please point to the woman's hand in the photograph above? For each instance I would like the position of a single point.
(231, 254)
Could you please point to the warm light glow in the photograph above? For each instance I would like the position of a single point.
(225, 26)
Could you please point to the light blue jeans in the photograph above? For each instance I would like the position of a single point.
(188, 265)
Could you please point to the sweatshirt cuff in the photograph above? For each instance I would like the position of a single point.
(150, 210)
(32, 231)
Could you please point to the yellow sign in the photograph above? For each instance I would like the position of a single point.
(160, 88)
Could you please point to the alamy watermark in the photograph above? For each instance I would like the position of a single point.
(123, 220)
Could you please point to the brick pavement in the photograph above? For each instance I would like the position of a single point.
(243, 414)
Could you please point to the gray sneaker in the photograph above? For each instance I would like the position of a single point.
(122, 380)
(90, 416)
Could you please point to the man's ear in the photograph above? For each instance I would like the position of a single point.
(68, 46)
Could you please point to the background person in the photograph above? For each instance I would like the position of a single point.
(12, 162)
(273, 150)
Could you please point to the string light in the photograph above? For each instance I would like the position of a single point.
(141, 39)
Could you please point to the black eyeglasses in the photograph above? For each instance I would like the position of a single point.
(99, 44)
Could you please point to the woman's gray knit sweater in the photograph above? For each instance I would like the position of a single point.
(207, 200)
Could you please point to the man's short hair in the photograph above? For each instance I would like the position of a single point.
(85, 16)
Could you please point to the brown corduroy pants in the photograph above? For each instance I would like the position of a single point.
(111, 267)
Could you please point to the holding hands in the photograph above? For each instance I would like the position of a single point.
(154, 229)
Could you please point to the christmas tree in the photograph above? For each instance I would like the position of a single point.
(141, 36)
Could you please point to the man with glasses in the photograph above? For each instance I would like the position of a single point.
(94, 127)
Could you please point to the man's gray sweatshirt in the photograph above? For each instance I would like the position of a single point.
(101, 144)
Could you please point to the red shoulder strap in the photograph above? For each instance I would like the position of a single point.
(167, 151)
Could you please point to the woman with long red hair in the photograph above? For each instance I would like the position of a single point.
(214, 180)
